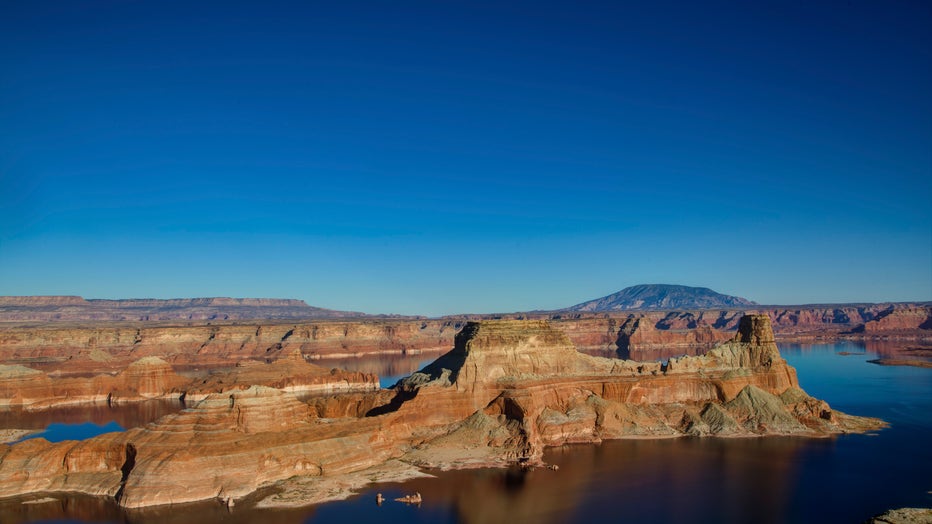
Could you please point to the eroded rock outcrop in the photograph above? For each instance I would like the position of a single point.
(291, 373)
(506, 391)
(153, 378)
(531, 390)
(145, 379)
(901, 319)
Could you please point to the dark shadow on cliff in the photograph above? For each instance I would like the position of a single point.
(128, 464)
(401, 396)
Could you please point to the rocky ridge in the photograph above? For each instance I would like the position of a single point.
(507, 390)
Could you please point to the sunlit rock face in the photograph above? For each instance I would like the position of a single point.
(507, 390)
(145, 379)
(527, 381)
(153, 378)
(901, 319)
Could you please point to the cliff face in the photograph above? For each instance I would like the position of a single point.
(153, 378)
(145, 379)
(529, 384)
(506, 390)
(900, 319)
(105, 348)
(109, 348)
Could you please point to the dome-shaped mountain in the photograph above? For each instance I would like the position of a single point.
(662, 296)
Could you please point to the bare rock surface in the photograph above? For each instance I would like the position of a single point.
(153, 378)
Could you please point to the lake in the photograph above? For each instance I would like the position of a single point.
(83, 421)
(777, 479)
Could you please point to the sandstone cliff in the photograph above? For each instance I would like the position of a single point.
(153, 378)
(506, 390)
(106, 347)
(145, 379)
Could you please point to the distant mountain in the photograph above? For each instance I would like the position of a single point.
(662, 296)
(76, 309)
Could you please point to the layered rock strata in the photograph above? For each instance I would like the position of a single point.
(146, 379)
(507, 390)
(152, 378)
(107, 347)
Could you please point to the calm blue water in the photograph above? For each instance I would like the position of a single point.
(388, 381)
(704, 480)
(57, 432)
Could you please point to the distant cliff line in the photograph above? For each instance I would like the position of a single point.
(73, 308)
(77, 309)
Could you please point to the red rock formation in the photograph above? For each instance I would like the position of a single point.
(147, 378)
(900, 319)
(506, 390)
(108, 348)
(291, 373)
(153, 378)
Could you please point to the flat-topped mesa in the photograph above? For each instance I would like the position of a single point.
(198, 302)
(42, 301)
(489, 352)
(492, 352)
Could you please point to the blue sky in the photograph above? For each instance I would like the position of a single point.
(448, 157)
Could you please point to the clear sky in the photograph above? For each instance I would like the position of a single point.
(446, 157)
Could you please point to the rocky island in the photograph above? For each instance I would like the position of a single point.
(507, 390)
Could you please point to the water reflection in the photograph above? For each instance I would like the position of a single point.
(389, 368)
(131, 415)
(56, 432)
(678, 480)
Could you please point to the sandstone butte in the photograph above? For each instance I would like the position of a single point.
(506, 391)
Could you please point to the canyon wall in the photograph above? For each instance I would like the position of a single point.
(153, 378)
(504, 392)
(105, 347)
(102, 347)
